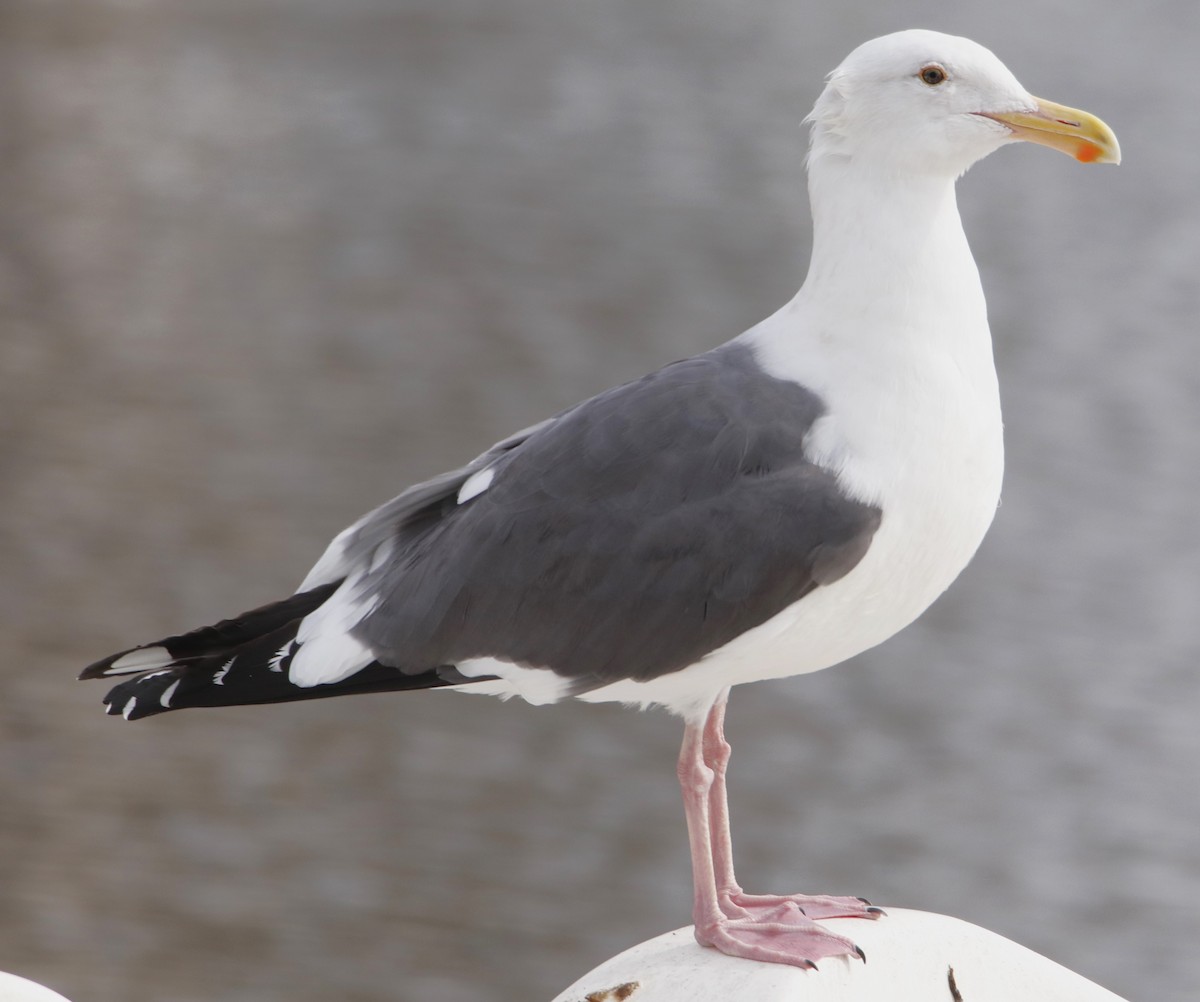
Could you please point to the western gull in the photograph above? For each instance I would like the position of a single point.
(768, 508)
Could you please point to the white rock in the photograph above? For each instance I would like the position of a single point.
(14, 989)
(912, 956)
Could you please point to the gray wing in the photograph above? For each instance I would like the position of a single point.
(625, 538)
(392, 523)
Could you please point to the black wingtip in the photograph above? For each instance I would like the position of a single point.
(217, 641)
(143, 696)
(94, 670)
(97, 668)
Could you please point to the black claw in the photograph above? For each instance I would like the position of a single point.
(863, 900)
(812, 965)
(875, 911)
(861, 956)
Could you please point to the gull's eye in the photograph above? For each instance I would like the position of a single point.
(932, 75)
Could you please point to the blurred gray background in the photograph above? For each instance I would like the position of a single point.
(264, 263)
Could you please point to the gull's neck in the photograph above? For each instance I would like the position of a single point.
(890, 331)
(891, 280)
(889, 247)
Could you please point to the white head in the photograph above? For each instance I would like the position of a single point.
(920, 101)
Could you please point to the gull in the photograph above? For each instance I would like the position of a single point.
(768, 508)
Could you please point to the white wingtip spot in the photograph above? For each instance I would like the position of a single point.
(168, 692)
(141, 659)
(219, 677)
(128, 708)
(276, 662)
(476, 484)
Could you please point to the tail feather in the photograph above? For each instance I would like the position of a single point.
(241, 661)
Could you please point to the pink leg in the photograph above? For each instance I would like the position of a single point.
(777, 929)
(734, 901)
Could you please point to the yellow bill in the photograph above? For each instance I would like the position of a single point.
(1068, 130)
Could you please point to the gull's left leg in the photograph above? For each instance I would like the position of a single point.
(733, 901)
(795, 939)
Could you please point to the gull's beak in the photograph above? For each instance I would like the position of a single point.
(1069, 130)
